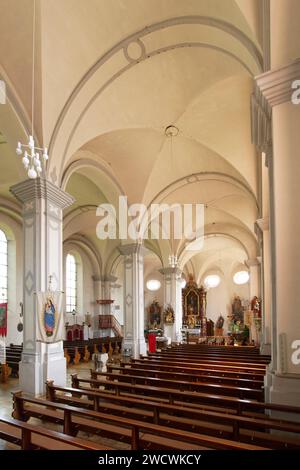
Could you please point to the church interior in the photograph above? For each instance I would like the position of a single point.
(125, 324)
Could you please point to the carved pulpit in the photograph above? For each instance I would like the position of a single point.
(194, 306)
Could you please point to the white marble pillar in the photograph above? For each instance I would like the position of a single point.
(173, 297)
(134, 311)
(43, 203)
(283, 384)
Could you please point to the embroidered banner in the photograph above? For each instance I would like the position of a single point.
(50, 317)
(3, 319)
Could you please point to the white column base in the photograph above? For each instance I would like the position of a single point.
(285, 390)
(31, 374)
(169, 332)
(137, 347)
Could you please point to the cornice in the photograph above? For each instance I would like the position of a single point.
(276, 85)
(41, 188)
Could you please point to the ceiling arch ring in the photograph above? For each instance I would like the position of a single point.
(198, 177)
(142, 50)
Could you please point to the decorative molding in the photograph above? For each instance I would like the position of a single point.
(169, 271)
(261, 122)
(276, 85)
(132, 248)
(263, 224)
(40, 188)
(282, 353)
(252, 262)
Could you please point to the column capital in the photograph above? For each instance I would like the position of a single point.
(168, 271)
(96, 278)
(276, 85)
(132, 248)
(40, 188)
(263, 224)
(108, 278)
(253, 262)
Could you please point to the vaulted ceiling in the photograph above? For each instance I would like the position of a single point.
(109, 78)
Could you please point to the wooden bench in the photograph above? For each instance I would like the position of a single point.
(194, 370)
(28, 437)
(184, 385)
(208, 360)
(229, 426)
(140, 434)
(126, 368)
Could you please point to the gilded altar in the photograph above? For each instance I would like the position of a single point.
(194, 306)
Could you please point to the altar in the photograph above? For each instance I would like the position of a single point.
(194, 308)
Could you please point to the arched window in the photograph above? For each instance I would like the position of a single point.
(3, 267)
(71, 284)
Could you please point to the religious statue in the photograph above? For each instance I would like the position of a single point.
(237, 310)
(256, 306)
(169, 315)
(191, 319)
(49, 317)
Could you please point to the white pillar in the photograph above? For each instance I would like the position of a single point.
(254, 268)
(107, 281)
(173, 297)
(134, 337)
(43, 203)
(276, 87)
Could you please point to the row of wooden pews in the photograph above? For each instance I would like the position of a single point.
(183, 398)
(83, 350)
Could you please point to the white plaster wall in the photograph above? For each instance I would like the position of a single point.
(219, 299)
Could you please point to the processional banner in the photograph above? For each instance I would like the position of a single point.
(3, 319)
(50, 318)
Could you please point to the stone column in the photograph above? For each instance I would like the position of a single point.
(173, 296)
(134, 298)
(254, 268)
(43, 203)
(276, 88)
(107, 282)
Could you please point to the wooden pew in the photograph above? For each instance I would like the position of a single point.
(127, 368)
(237, 367)
(227, 425)
(194, 370)
(184, 385)
(141, 435)
(28, 437)
(207, 359)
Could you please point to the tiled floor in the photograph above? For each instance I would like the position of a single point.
(13, 385)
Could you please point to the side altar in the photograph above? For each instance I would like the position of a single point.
(194, 307)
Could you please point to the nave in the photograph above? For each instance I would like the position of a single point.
(194, 397)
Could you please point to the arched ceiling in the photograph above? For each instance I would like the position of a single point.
(110, 77)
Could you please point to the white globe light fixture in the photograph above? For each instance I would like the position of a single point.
(182, 283)
(153, 284)
(211, 281)
(241, 277)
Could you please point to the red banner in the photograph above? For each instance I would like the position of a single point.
(3, 319)
(152, 342)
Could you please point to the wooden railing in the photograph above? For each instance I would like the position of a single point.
(110, 321)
